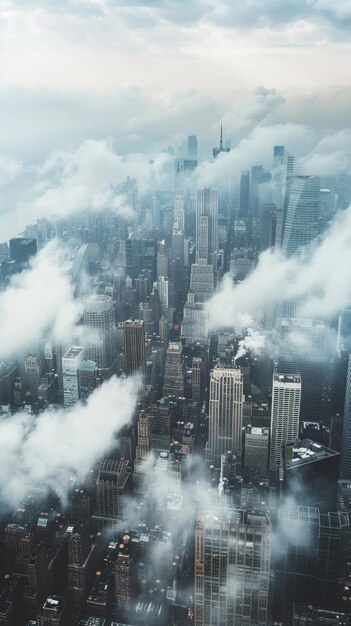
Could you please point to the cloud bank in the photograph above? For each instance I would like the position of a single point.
(323, 281)
(39, 304)
(57, 445)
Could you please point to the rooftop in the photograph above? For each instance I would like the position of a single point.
(287, 378)
(307, 451)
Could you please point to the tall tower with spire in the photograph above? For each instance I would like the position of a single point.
(217, 151)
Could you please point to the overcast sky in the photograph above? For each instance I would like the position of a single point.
(181, 62)
(144, 75)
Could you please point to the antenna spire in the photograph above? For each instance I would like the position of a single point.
(221, 139)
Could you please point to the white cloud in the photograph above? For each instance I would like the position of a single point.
(323, 282)
(38, 304)
(57, 445)
(70, 181)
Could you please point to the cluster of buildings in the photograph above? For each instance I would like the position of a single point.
(226, 500)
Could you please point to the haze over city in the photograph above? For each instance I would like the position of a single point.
(175, 313)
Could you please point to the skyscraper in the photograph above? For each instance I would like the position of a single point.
(345, 469)
(162, 288)
(134, 347)
(100, 333)
(174, 370)
(303, 350)
(225, 412)
(302, 213)
(70, 367)
(112, 484)
(222, 148)
(207, 225)
(192, 147)
(179, 214)
(256, 449)
(286, 399)
(232, 568)
(244, 195)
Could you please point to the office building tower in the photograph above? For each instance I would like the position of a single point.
(302, 214)
(197, 378)
(179, 212)
(207, 226)
(112, 485)
(232, 568)
(162, 268)
(195, 321)
(255, 179)
(53, 612)
(307, 462)
(343, 341)
(278, 155)
(87, 379)
(125, 580)
(192, 147)
(202, 281)
(285, 413)
(8, 376)
(256, 450)
(225, 412)
(174, 370)
(162, 288)
(244, 200)
(134, 347)
(71, 362)
(33, 368)
(311, 556)
(304, 349)
(177, 251)
(80, 506)
(22, 248)
(100, 333)
(222, 148)
(345, 469)
(143, 447)
(81, 561)
(271, 227)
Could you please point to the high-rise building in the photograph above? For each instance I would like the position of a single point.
(71, 362)
(53, 612)
(286, 400)
(174, 370)
(80, 566)
(207, 225)
(244, 195)
(302, 213)
(162, 288)
(33, 368)
(192, 147)
(162, 268)
(100, 333)
(311, 555)
(143, 447)
(197, 378)
(345, 468)
(225, 412)
(303, 349)
(222, 148)
(134, 347)
(112, 484)
(232, 568)
(195, 321)
(256, 449)
(179, 213)
(22, 248)
(202, 281)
